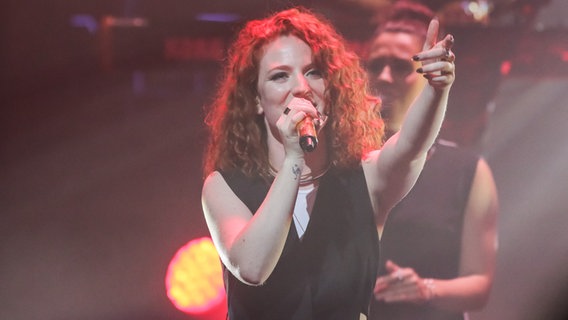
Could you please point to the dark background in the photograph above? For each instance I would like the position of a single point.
(102, 134)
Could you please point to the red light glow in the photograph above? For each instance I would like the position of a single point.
(506, 67)
(194, 280)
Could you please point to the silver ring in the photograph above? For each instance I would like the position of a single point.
(398, 275)
(448, 56)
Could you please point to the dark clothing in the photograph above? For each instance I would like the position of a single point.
(424, 230)
(330, 273)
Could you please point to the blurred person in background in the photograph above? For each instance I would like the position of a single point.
(438, 245)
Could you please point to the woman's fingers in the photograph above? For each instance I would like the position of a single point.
(441, 66)
(294, 112)
(431, 35)
(440, 51)
(301, 105)
(438, 60)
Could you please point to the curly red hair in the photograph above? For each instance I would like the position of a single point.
(238, 134)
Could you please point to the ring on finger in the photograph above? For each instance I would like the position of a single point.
(448, 56)
(287, 110)
(398, 275)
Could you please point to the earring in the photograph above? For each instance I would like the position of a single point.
(259, 109)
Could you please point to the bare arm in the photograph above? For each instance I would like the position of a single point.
(470, 290)
(479, 245)
(248, 245)
(392, 172)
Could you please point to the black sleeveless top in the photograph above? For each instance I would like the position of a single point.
(330, 273)
(424, 230)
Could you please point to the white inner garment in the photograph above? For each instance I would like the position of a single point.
(303, 208)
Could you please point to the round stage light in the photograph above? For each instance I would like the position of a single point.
(194, 280)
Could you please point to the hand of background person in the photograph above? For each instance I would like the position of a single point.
(401, 285)
(437, 58)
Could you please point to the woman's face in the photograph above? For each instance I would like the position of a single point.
(286, 70)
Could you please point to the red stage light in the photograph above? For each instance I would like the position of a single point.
(194, 280)
(506, 67)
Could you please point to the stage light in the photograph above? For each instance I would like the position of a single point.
(194, 280)
(218, 17)
(86, 21)
(506, 67)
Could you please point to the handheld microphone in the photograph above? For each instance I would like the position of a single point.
(308, 135)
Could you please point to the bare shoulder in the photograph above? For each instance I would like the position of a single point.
(369, 160)
(369, 165)
(483, 194)
(214, 188)
(212, 182)
(371, 156)
(219, 200)
(483, 175)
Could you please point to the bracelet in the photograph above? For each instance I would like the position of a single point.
(431, 286)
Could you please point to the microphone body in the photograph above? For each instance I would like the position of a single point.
(308, 135)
